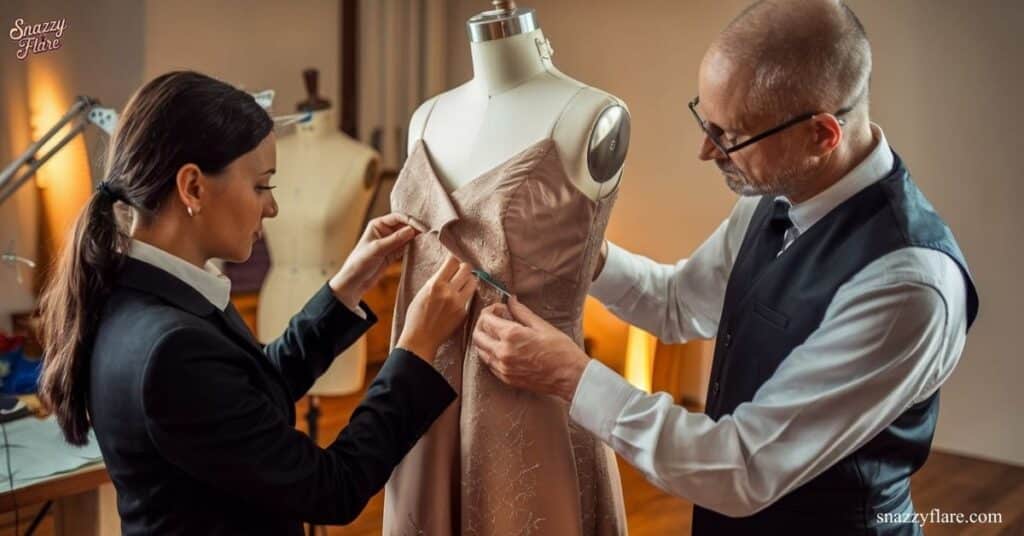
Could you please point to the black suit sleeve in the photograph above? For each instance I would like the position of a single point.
(324, 328)
(206, 417)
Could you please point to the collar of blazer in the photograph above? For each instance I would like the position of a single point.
(147, 278)
(143, 276)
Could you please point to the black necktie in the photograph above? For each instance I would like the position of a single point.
(772, 236)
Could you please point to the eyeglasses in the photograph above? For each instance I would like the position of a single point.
(714, 132)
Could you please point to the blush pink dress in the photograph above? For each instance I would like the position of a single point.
(502, 461)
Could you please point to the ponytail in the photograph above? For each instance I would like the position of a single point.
(70, 306)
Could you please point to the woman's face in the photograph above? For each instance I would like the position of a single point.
(240, 197)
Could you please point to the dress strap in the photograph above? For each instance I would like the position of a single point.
(551, 133)
(433, 103)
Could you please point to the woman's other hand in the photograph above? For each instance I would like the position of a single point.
(382, 243)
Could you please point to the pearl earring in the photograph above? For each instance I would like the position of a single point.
(190, 211)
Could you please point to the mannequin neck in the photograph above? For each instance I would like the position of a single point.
(319, 126)
(503, 64)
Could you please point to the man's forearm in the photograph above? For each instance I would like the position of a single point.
(805, 417)
(648, 294)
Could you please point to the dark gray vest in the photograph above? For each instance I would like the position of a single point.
(768, 311)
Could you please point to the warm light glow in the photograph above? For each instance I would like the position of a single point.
(65, 177)
(639, 367)
(46, 107)
(606, 334)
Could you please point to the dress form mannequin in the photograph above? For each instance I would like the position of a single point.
(516, 173)
(515, 98)
(324, 184)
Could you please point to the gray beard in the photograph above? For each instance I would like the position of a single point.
(740, 186)
(780, 185)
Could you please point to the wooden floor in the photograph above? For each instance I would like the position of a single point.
(948, 482)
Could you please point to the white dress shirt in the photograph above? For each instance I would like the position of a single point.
(890, 337)
(208, 281)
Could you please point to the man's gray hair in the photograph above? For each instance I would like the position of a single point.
(803, 56)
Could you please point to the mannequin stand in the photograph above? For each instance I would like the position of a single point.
(312, 416)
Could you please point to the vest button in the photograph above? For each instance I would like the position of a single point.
(728, 339)
(714, 388)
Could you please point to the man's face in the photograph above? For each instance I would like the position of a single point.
(771, 166)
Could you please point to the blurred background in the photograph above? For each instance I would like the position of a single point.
(946, 78)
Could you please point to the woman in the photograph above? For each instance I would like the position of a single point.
(195, 419)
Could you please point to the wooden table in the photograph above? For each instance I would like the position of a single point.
(56, 487)
(74, 496)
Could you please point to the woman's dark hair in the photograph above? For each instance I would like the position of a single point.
(178, 118)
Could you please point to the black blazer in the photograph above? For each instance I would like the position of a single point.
(195, 418)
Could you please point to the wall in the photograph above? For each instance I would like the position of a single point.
(945, 79)
(100, 57)
(946, 86)
(254, 44)
(19, 214)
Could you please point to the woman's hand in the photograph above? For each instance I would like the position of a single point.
(381, 244)
(439, 307)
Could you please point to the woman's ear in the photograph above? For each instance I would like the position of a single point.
(190, 188)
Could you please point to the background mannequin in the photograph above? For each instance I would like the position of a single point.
(324, 185)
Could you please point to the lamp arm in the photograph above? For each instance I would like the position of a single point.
(10, 180)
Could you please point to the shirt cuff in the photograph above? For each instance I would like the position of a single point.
(615, 278)
(359, 311)
(599, 399)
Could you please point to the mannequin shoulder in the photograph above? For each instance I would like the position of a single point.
(456, 98)
(593, 135)
(419, 118)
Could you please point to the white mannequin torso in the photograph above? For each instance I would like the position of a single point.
(324, 183)
(516, 98)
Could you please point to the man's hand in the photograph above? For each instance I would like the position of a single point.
(525, 351)
(382, 243)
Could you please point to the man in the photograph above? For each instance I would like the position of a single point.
(838, 298)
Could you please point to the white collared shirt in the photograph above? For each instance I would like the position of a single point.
(890, 337)
(877, 165)
(210, 282)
